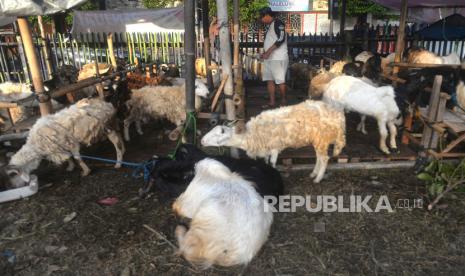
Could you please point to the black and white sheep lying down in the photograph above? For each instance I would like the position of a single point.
(230, 221)
(223, 199)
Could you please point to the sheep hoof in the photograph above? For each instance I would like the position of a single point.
(313, 175)
(316, 180)
(364, 132)
(395, 150)
(385, 151)
(140, 132)
(118, 165)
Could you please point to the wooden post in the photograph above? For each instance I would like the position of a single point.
(400, 44)
(343, 17)
(429, 136)
(111, 50)
(34, 66)
(206, 43)
(240, 111)
(225, 54)
(45, 49)
(189, 52)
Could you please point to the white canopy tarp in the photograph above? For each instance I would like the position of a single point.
(15, 8)
(138, 20)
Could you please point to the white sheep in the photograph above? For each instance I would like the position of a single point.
(427, 57)
(157, 102)
(266, 135)
(229, 219)
(352, 94)
(57, 137)
(12, 92)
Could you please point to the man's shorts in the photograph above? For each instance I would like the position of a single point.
(275, 70)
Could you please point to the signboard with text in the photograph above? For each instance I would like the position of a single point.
(290, 5)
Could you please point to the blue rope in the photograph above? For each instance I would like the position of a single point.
(138, 168)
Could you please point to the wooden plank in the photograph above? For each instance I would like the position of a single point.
(454, 143)
(432, 113)
(424, 65)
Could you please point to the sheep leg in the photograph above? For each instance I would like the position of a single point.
(361, 125)
(274, 158)
(323, 160)
(85, 169)
(117, 142)
(139, 127)
(383, 136)
(393, 135)
(127, 124)
(180, 234)
(316, 168)
(71, 166)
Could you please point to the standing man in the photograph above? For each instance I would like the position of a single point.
(275, 57)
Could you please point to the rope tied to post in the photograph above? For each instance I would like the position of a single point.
(190, 117)
(139, 169)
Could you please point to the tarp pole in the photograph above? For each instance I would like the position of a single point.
(206, 43)
(189, 52)
(225, 54)
(400, 43)
(34, 66)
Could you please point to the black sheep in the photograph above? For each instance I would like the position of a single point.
(171, 177)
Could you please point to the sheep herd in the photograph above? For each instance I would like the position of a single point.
(222, 198)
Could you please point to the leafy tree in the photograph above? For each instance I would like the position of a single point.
(156, 4)
(360, 7)
(248, 9)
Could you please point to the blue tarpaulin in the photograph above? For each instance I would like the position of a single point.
(449, 28)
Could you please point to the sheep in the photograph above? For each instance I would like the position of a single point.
(353, 69)
(173, 176)
(419, 55)
(352, 94)
(319, 82)
(12, 92)
(385, 61)
(201, 70)
(337, 67)
(363, 56)
(299, 72)
(160, 102)
(57, 137)
(229, 221)
(266, 135)
(12, 177)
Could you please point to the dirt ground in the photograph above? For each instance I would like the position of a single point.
(112, 240)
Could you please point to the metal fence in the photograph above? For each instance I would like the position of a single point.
(169, 48)
(86, 48)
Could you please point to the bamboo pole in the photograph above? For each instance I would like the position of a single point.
(206, 43)
(111, 50)
(189, 52)
(225, 54)
(400, 43)
(34, 66)
(45, 48)
(238, 69)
